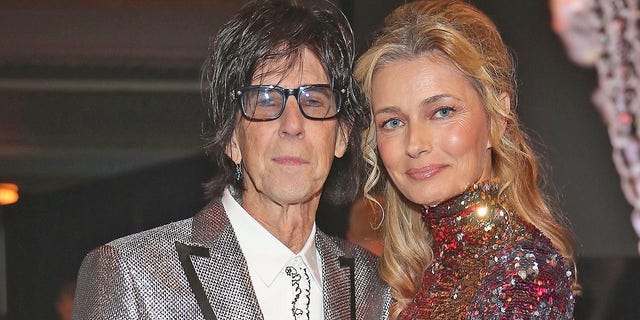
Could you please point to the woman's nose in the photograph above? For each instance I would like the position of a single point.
(418, 141)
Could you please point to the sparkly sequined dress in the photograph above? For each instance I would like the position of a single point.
(489, 264)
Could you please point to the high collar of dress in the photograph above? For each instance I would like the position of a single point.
(479, 194)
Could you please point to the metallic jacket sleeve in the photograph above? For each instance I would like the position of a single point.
(105, 289)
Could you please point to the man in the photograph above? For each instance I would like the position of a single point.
(282, 104)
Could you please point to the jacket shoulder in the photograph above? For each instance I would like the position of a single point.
(118, 279)
(149, 241)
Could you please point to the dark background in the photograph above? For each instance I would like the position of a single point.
(102, 162)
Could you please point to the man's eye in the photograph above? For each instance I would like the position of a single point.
(265, 102)
(313, 103)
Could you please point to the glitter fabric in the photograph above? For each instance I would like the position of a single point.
(140, 276)
(489, 264)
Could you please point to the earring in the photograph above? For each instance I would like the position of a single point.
(376, 227)
(238, 174)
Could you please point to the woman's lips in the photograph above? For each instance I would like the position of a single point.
(425, 172)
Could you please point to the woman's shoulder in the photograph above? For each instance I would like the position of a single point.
(528, 254)
(530, 258)
(527, 277)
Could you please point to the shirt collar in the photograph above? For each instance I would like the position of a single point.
(265, 254)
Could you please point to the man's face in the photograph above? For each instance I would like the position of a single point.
(286, 161)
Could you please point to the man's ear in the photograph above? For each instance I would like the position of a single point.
(233, 149)
(342, 141)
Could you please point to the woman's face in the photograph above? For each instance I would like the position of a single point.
(431, 128)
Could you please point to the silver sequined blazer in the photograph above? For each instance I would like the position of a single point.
(194, 269)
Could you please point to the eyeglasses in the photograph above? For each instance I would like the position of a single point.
(264, 103)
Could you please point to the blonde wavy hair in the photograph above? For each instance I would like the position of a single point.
(465, 36)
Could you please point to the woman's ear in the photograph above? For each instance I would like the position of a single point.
(505, 101)
(501, 126)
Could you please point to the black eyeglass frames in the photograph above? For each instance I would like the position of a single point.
(267, 102)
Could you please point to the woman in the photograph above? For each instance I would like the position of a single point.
(468, 233)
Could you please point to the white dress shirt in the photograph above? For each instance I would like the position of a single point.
(267, 258)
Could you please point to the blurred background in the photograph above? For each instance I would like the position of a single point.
(100, 116)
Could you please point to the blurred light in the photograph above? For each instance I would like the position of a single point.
(8, 193)
(482, 211)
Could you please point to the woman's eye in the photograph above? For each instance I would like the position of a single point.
(443, 112)
(391, 124)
